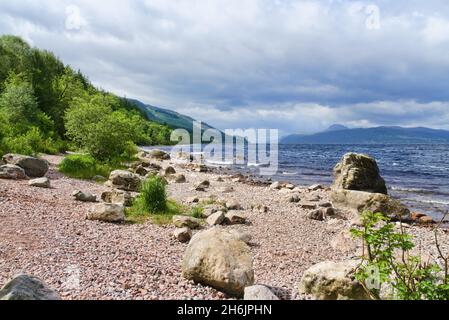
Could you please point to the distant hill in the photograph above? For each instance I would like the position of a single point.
(377, 135)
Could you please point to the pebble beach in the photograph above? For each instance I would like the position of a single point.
(44, 232)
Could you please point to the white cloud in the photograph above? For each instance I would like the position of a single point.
(295, 65)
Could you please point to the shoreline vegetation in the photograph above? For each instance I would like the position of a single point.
(274, 240)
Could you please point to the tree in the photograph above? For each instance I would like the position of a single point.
(18, 104)
(94, 126)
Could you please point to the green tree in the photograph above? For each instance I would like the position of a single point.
(18, 104)
(94, 126)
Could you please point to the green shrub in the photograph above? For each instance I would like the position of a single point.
(32, 143)
(82, 166)
(153, 196)
(389, 265)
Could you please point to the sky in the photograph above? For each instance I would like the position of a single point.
(297, 66)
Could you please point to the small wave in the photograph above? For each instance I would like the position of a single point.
(250, 164)
(419, 191)
(289, 173)
(434, 202)
(220, 163)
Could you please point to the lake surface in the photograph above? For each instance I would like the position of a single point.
(418, 175)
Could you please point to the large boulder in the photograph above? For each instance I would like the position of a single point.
(34, 168)
(366, 201)
(358, 172)
(12, 172)
(125, 180)
(217, 258)
(333, 281)
(25, 287)
(107, 212)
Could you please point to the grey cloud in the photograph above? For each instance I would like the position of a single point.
(295, 65)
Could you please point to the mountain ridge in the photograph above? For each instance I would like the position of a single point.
(374, 135)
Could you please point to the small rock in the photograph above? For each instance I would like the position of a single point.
(124, 198)
(275, 185)
(233, 205)
(325, 205)
(285, 191)
(227, 189)
(314, 198)
(315, 187)
(293, 198)
(84, 196)
(183, 234)
(233, 217)
(107, 212)
(99, 178)
(203, 186)
(210, 209)
(12, 172)
(125, 180)
(261, 208)
(141, 171)
(26, 287)
(169, 170)
(414, 216)
(216, 218)
(219, 179)
(40, 183)
(259, 292)
(158, 154)
(308, 206)
(328, 211)
(186, 221)
(289, 186)
(316, 215)
(192, 200)
(180, 178)
(426, 220)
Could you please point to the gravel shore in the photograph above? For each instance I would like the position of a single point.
(43, 232)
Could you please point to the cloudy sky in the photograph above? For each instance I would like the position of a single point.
(299, 66)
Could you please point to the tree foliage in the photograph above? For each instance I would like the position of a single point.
(45, 106)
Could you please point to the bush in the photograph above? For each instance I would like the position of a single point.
(83, 167)
(389, 264)
(153, 197)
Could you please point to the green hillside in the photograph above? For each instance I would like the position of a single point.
(167, 117)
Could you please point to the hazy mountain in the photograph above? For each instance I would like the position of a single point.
(377, 135)
(337, 127)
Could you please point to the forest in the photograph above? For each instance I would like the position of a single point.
(47, 107)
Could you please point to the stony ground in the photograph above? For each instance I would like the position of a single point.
(43, 232)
